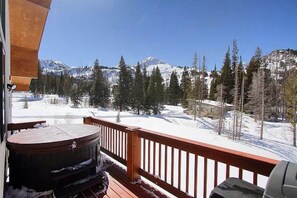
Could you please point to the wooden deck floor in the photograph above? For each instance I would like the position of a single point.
(115, 190)
(120, 187)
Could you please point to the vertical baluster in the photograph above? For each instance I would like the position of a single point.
(255, 178)
(240, 173)
(109, 136)
(187, 173)
(116, 142)
(195, 176)
(125, 145)
(106, 135)
(215, 183)
(165, 166)
(144, 156)
(110, 143)
(227, 171)
(205, 178)
(172, 165)
(112, 140)
(149, 157)
(154, 158)
(101, 136)
(179, 167)
(159, 160)
(122, 144)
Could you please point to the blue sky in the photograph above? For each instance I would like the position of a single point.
(79, 31)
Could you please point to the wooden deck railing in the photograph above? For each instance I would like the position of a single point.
(22, 125)
(180, 166)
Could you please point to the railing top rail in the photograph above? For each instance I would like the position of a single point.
(111, 124)
(254, 163)
(23, 125)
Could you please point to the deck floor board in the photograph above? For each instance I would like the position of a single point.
(120, 187)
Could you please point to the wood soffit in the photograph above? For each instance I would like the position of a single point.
(27, 20)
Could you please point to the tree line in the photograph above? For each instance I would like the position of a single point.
(254, 89)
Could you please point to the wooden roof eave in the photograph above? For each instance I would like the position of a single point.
(27, 20)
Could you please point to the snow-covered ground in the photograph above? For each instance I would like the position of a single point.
(276, 143)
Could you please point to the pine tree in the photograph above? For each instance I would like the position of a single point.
(255, 96)
(219, 95)
(152, 93)
(122, 98)
(146, 80)
(291, 100)
(204, 88)
(160, 88)
(214, 83)
(155, 92)
(99, 91)
(195, 92)
(61, 85)
(173, 90)
(241, 74)
(75, 95)
(226, 78)
(235, 88)
(186, 87)
(137, 94)
(254, 66)
(67, 84)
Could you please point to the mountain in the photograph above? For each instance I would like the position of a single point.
(150, 61)
(277, 61)
(53, 66)
(111, 73)
(166, 69)
(280, 60)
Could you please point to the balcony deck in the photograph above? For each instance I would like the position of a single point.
(182, 167)
(120, 187)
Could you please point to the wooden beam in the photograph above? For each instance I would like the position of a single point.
(24, 62)
(43, 3)
(23, 83)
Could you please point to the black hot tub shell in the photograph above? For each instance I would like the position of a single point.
(35, 153)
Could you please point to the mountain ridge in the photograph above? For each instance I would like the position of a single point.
(277, 61)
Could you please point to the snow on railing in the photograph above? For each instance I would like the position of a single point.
(180, 166)
(12, 127)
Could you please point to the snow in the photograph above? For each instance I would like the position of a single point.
(26, 192)
(215, 103)
(276, 141)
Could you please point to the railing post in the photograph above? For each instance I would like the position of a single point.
(133, 153)
(87, 120)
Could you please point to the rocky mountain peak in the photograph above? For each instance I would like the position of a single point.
(151, 61)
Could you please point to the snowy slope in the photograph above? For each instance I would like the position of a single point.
(53, 66)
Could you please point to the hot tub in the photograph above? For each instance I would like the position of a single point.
(35, 153)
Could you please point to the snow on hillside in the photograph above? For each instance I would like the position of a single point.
(150, 61)
(53, 66)
(280, 60)
(165, 69)
(276, 143)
